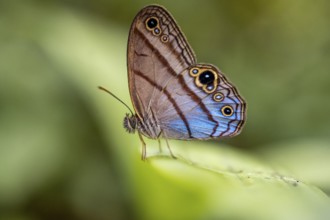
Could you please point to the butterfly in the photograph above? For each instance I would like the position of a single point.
(173, 96)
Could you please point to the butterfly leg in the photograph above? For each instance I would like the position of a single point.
(144, 148)
(167, 144)
(169, 149)
(160, 145)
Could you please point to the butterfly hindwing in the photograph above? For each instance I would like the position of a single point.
(203, 111)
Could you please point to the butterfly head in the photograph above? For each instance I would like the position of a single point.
(130, 123)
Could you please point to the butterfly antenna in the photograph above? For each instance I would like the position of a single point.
(113, 95)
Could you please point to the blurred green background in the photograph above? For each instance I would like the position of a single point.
(65, 155)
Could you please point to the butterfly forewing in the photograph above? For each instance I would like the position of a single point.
(154, 58)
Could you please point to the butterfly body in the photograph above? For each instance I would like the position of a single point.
(147, 127)
(173, 96)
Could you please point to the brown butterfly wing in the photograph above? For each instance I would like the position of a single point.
(156, 54)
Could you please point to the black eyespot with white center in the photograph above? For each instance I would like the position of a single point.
(206, 77)
(227, 110)
(194, 71)
(152, 23)
(156, 31)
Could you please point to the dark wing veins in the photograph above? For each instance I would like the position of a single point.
(140, 54)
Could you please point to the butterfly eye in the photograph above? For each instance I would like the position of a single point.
(227, 110)
(152, 22)
(206, 77)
